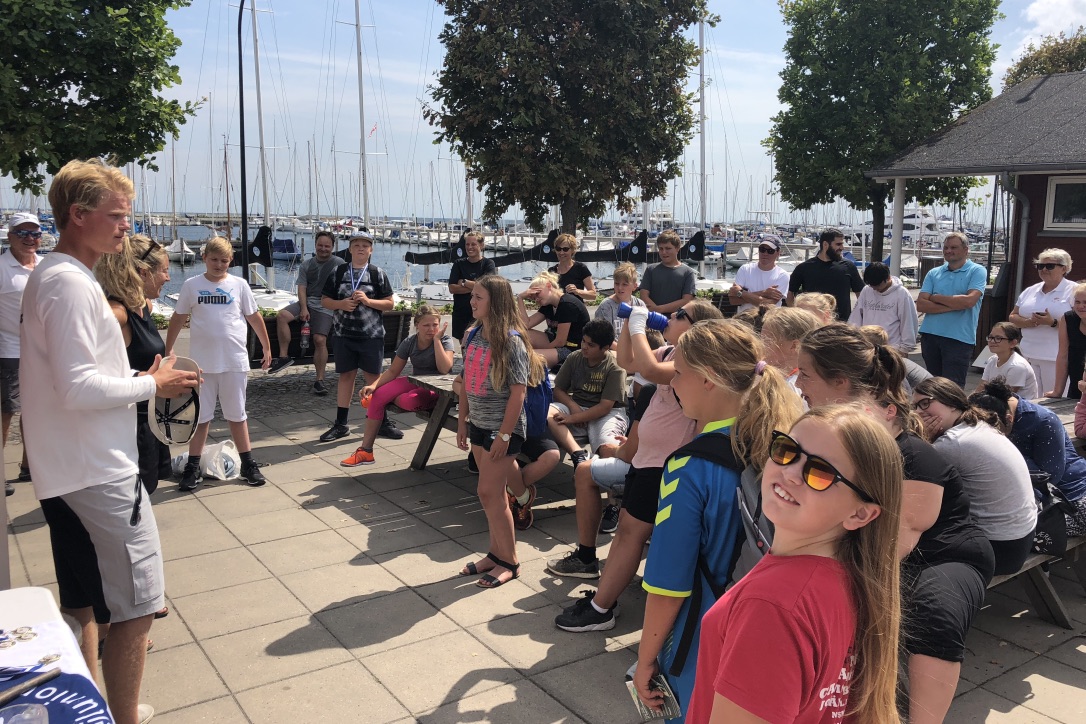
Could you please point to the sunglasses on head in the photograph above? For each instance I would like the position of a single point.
(27, 234)
(681, 313)
(923, 403)
(817, 472)
(1047, 266)
(150, 247)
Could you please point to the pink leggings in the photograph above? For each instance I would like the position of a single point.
(1080, 418)
(407, 397)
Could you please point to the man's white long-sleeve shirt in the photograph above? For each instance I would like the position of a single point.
(78, 394)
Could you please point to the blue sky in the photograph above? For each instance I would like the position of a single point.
(309, 90)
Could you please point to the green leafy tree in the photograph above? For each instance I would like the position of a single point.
(565, 101)
(864, 80)
(81, 80)
(1056, 54)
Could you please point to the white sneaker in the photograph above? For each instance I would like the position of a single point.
(146, 712)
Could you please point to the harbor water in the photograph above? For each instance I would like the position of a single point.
(390, 257)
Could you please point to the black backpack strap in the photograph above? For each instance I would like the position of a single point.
(716, 448)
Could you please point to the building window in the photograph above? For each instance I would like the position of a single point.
(1065, 208)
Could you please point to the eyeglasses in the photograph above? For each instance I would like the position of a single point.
(923, 403)
(27, 234)
(562, 248)
(996, 340)
(681, 314)
(817, 472)
(1047, 266)
(766, 250)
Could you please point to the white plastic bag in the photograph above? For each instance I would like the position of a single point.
(177, 463)
(221, 461)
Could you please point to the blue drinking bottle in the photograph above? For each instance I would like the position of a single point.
(656, 320)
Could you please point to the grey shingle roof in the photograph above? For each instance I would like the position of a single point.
(1038, 125)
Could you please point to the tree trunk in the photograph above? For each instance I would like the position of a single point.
(878, 223)
(571, 212)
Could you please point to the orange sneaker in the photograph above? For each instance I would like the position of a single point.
(360, 457)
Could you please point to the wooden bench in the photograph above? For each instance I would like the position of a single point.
(1039, 590)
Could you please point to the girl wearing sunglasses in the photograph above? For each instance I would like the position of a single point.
(737, 400)
(821, 610)
(994, 473)
(1071, 357)
(947, 562)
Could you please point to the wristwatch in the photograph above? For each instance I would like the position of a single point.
(1055, 323)
(504, 436)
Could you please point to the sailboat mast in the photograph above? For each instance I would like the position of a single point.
(260, 131)
(701, 120)
(226, 185)
(361, 118)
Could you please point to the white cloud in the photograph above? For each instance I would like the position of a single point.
(1049, 17)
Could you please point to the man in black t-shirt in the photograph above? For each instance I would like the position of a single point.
(829, 273)
(462, 279)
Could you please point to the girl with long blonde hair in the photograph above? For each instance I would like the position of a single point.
(491, 420)
(811, 633)
(737, 399)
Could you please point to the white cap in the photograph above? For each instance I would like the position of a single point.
(23, 218)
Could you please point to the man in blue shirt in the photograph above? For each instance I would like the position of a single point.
(950, 302)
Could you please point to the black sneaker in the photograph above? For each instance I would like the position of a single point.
(279, 364)
(24, 474)
(389, 430)
(578, 457)
(319, 388)
(190, 478)
(334, 433)
(609, 524)
(252, 475)
(9, 489)
(573, 567)
(583, 617)
(473, 467)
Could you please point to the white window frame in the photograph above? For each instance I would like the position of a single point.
(1053, 183)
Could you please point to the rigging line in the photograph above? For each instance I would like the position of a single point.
(420, 87)
(321, 109)
(384, 96)
(285, 111)
(199, 79)
(727, 97)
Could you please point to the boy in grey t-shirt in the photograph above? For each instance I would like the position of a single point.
(669, 285)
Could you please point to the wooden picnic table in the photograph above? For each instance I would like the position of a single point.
(438, 417)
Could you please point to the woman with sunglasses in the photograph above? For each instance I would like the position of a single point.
(573, 276)
(1037, 313)
(1071, 358)
(737, 399)
(947, 562)
(133, 280)
(811, 633)
(994, 473)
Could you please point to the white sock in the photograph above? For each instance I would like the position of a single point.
(598, 609)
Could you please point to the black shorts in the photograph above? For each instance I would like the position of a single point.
(9, 385)
(939, 604)
(483, 438)
(153, 455)
(535, 447)
(78, 578)
(353, 354)
(641, 498)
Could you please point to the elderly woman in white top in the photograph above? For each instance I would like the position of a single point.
(1038, 310)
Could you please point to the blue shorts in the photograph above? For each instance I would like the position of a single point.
(353, 354)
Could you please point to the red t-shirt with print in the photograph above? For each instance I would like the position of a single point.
(779, 643)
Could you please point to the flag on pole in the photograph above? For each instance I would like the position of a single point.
(372, 131)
